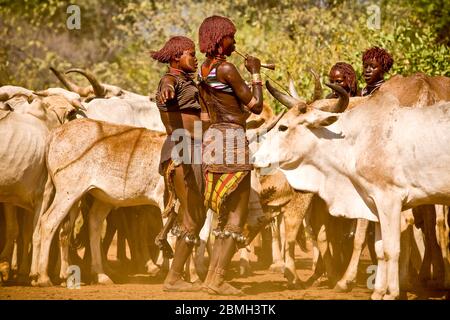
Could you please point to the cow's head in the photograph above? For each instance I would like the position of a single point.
(53, 110)
(295, 134)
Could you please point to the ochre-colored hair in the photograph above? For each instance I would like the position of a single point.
(380, 55)
(349, 75)
(212, 30)
(173, 48)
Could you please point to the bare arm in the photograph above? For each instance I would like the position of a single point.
(227, 73)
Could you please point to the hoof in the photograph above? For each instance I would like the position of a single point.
(152, 269)
(376, 295)
(103, 279)
(343, 286)
(277, 267)
(390, 297)
(5, 268)
(42, 282)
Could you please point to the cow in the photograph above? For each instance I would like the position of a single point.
(369, 162)
(427, 90)
(116, 164)
(23, 175)
(110, 103)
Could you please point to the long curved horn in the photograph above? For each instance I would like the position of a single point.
(266, 128)
(66, 82)
(343, 101)
(286, 100)
(292, 90)
(317, 85)
(99, 90)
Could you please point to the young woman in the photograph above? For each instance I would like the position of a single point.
(343, 75)
(376, 62)
(177, 100)
(226, 103)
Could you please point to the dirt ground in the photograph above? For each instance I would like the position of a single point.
(261, 285)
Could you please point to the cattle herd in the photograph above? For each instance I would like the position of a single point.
(79, 168)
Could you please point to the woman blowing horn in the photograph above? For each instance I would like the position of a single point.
(226, 103)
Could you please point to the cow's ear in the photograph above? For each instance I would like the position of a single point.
(319, 118)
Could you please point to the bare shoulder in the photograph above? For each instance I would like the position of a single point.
(227, 68)
(228, 72)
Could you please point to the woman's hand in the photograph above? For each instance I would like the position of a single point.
(167, 92)
(253, 64)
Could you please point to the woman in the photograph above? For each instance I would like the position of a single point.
(376, 62)
(177, 100)
(226, 103)
(343, 75)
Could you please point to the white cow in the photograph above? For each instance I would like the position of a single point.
(23, 174)
(370, 162)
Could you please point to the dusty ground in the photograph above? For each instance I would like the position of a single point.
(262, 284)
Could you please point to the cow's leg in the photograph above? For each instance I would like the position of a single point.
(436, 255)
(309, 231)
(64, 241)
(292, 223)
(23, 276)
(316, 254)
(111, 229)
(98, 213)
(381, 276)
(50, 221)
(443, 240)
(418, 249)
(277, 265)
(45, 203)
(12, 232)
(405, 255)
(349, 278)
(325, 253)
(318, 272)
(389, 211)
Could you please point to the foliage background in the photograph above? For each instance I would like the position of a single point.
(116, 36)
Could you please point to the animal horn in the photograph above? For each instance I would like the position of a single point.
(317, 85)
(286, 100)
(343, 101)
(66, 82)
(99, 90)
(292, 90)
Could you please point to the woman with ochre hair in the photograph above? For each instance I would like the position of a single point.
(177, 101)
(226, 102)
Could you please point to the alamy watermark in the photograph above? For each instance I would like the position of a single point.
(374, 19)
(74, 19)
(74, 278)
(372, 271)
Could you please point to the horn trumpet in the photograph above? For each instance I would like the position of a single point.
(270, 66)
